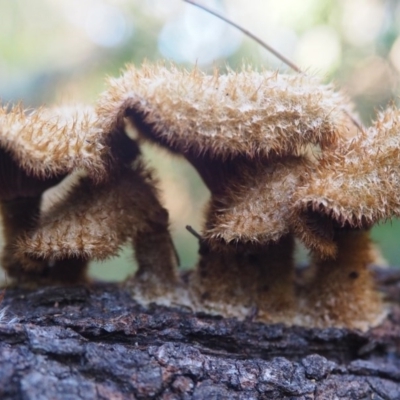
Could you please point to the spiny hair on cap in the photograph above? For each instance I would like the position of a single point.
(52, 141)
(247, 112)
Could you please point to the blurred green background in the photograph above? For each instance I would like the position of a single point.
(60, 51)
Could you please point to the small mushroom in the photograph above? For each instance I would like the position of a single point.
(35, 154)
(236, 129)
(111, 199)
(349, 191)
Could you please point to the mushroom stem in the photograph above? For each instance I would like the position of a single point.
(234, 279)
(217, 174)
(275, 281)
(156, 255)
(342, 292)
(157, 260)
(20, 216)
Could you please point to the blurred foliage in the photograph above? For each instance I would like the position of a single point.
(54, 51)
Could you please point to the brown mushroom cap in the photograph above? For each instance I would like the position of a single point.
(225, 115)
(255, 206)
(93, 221)
(52, 142)
(355, 186)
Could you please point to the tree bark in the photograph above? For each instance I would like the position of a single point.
(97, 343)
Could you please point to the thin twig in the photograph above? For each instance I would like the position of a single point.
(193, 232)
(250, 35)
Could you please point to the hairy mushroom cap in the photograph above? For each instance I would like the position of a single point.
(238, 113)
(50, 142)
(354, 186)
(254, 207)
(91, 221)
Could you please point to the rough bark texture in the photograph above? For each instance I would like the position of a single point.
(97, 343)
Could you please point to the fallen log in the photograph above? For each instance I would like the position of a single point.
(95, 342)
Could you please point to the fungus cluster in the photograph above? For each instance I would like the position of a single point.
(275, 152)
(73, 192)
(258, 140)
(36, 155)
(350, 190)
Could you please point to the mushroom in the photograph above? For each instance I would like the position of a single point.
(110, 197)
(34, 156)
(349, 190)
(236, 129)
